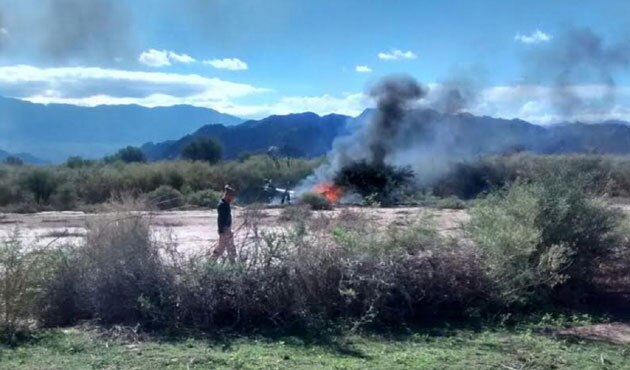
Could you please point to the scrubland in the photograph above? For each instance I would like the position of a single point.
(543, 249)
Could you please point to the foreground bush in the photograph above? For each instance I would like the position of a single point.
(311, 278)
(544, 239)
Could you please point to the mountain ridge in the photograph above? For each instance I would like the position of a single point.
(473, 135)
(56, 131)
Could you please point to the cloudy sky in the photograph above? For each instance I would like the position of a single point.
(252, 58)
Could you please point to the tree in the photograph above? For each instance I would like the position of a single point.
(205, 149)
(129, 154)
(13, 161)
(77, 162)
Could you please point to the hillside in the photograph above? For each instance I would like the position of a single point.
(25, 157)
(56, 131)
(303, 134)
(462, 135)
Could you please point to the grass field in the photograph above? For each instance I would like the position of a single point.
(459, 349)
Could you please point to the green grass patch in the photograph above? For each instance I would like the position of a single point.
(460, 349)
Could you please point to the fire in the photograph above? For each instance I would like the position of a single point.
(331, 191)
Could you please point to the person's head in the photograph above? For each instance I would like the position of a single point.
(229, 193)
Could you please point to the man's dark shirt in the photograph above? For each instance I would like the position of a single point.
(225, 216)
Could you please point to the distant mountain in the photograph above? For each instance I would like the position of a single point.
(25, 157)
(462, 135)
(56, 131)
(303, 134)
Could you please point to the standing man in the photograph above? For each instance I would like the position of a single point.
(226, 238)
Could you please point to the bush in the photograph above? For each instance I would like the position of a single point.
(165, 197)
(129, 154)
(65, 198)
(544, 239)
(23, 273)
(117, 276)
(315, 201)
(205, 198)
(383, 183)
(296, 213)
(205, 149)
(41, 182)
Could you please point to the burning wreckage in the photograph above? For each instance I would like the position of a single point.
(365, 163)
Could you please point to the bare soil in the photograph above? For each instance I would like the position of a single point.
(616, 333)
(196, 231)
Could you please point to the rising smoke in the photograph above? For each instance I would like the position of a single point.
(408, 129)
(426, 128)
(576, 57)
(68, 30)
(96, 29)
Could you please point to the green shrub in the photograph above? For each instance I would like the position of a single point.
(543, 238)
(23, 273)
(41, 182)
(315, 201)
(129, 154)
(450, 203)
(65, 198)
(165, 197)
(204, 198)
(204, 149)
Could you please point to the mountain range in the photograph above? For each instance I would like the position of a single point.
(25, 157)
(309, 135)
(54, 132)
(57, 131)
(301, 135)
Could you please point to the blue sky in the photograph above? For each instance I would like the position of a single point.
(257, 57)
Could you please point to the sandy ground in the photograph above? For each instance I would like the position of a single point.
(195, 231)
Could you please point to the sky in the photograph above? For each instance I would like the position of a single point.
(253, 58)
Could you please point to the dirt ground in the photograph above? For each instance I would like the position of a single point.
(195, 231)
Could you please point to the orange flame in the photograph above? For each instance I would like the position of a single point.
(331, 191)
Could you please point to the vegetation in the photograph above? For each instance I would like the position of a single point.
(543, 242)
(544, 238)
(129, 154)
(203, 149)
(315, 201)
(500, 348)
(385, 184)
(82, 184)
(600, 174)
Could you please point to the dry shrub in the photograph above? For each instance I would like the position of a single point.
(291, 277)
(295, 213)
(118, 276)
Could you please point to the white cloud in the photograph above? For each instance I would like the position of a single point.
(363, 69)
(232, 64)
(538, 104)
(181, 58)
(90, 86)
(161, 58)
(397, 54)
(533, 38)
